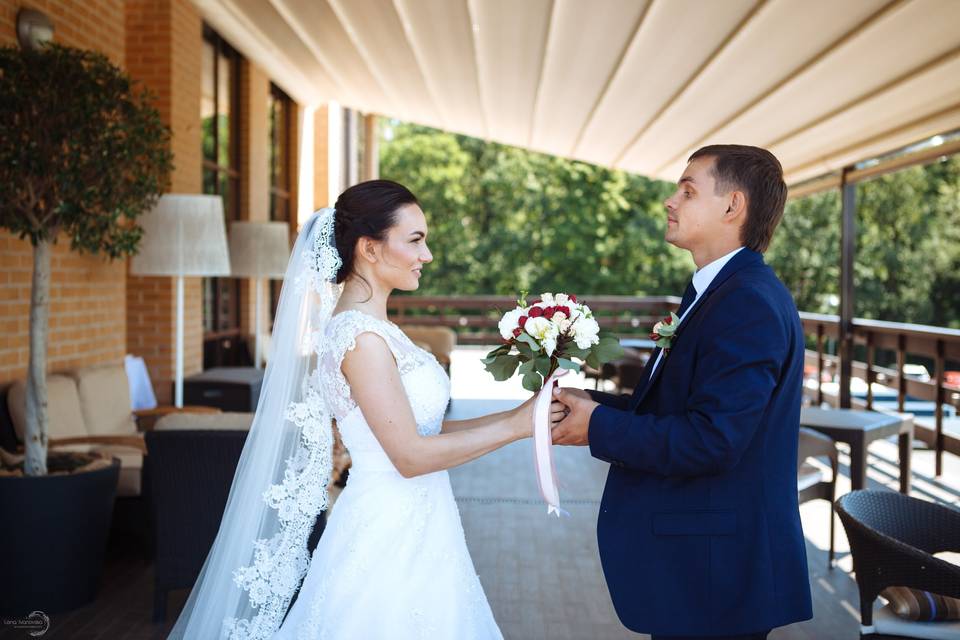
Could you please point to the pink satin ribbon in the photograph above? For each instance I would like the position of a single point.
(543, 446)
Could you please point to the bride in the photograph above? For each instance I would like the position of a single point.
(392, 561)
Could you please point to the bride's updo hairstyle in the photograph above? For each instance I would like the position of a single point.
(367, 209)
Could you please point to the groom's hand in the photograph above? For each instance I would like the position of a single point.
(573, 429)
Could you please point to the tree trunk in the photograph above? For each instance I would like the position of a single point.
(35, 438)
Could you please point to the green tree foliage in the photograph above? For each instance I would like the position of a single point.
(504, 219)
(82, 154)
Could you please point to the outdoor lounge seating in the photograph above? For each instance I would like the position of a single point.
(89, 410)
(192, 460)
(440, 341)
(893, 539)
(811, 484)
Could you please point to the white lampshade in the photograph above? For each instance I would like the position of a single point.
(183, 235)
(259, 249)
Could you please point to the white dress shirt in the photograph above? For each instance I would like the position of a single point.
(701, 280)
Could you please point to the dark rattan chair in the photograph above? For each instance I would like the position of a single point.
(810, 482)
(893, 538)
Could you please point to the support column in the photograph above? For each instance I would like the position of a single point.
(371, 149)
(847, 250)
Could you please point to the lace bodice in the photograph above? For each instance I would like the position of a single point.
(424, 380)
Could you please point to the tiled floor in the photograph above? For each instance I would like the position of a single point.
(542, 575)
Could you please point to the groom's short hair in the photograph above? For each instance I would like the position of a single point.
(757, 173)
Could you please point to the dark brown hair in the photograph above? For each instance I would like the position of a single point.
(367, 209)
(757, 173)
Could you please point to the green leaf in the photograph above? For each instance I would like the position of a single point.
(607, 350)
(499, 351)
(526, 367)
(563, 363)
(525, 350)
(593, 361)
(532, 381)
(573, 351)
(503, 367)
(542, 366)
(530, 340)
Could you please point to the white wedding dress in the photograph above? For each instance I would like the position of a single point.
(392, 562)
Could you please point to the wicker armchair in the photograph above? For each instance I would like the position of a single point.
(893, 538)
(810, 482)
(192, 460)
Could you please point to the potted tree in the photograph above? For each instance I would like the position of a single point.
(82, 154)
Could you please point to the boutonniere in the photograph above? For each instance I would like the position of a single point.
(665, 331)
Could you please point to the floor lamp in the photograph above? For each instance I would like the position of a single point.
(259, 250)
(183, 235)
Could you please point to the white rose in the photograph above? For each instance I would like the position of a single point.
(545, 333)
(558, 317)
(565, 325)
(547, 300)
(561, 299)
(586, 332)
(510, 321)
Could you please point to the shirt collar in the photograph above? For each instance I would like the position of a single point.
(703, 277)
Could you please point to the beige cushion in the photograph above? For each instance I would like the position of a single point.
(131, 466)
(442, 340)
(105, 400)
(63, 408)
(186, 421)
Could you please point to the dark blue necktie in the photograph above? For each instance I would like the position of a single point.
(688, 297)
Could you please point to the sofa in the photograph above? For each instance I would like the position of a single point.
(89, 410)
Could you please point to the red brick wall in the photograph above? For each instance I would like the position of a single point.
(98, 310)
(164, 46)
(87, 316)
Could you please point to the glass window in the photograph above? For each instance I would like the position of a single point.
(280, 109)
(218, 118)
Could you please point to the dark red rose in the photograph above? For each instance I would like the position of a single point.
(549, 311)
(668, 320)
(536, 312)
(517, 332)
(564, 310)
(572, 297)
(654, 336)
(522, 321)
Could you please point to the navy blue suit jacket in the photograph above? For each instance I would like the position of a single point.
(699, 527)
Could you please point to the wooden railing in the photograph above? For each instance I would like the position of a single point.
(475, 318)
(936, 344)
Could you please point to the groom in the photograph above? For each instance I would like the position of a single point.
(699, 529)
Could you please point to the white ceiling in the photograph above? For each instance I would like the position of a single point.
(633, 84)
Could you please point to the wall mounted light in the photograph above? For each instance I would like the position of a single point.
(34, 29)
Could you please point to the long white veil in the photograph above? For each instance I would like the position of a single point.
(259, 556)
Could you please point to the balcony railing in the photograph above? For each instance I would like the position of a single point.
(934, 344)
(475, 318)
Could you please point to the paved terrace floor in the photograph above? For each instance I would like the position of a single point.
(541, 575)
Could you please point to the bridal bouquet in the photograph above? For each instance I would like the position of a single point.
(541, 341)
(547, 335)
